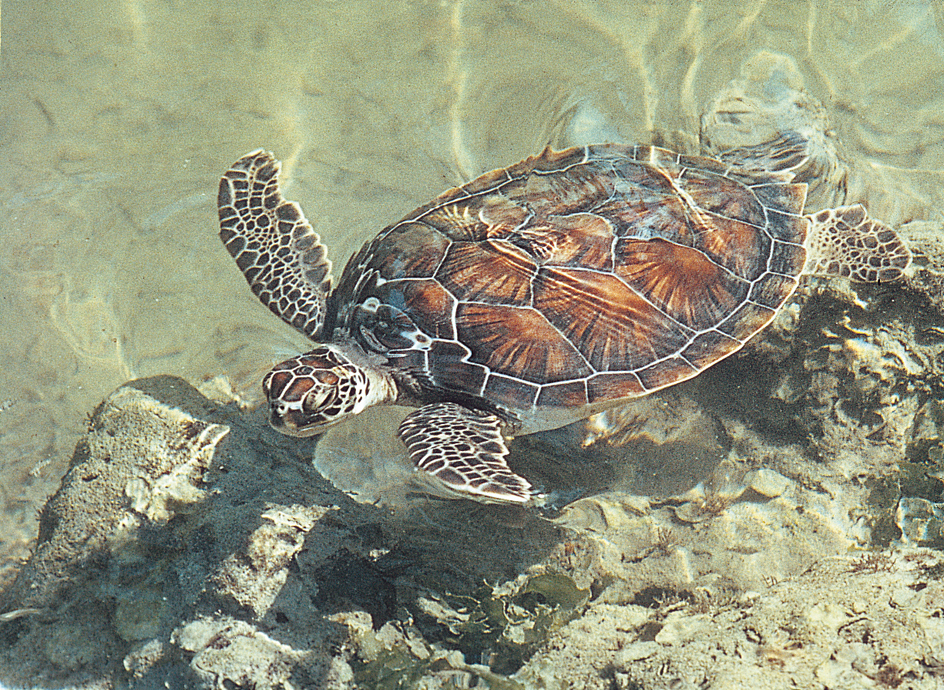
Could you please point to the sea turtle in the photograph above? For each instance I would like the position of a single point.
(538, 294)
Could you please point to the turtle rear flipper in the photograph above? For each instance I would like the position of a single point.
(460, 453)
(788, 154)
(846, 242)
(282, 258)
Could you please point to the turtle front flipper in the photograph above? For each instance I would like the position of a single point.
(283, 259)
(846, 242)
(460, 453)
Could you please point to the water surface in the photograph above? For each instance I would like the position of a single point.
(119, 116)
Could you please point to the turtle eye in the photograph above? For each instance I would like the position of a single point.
(317, 399)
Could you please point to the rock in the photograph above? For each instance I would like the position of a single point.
(927, 433)
(841, 624)
(921, 521)
(190, 545)
(637, 651)
(767, 483)
(175, 518)
(679, 628)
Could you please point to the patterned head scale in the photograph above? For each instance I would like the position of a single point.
(309, 393)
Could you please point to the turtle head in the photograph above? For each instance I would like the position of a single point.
(309, 393)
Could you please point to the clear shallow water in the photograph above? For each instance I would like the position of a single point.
(119, 117)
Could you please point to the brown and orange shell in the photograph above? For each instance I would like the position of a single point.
(578, 277)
